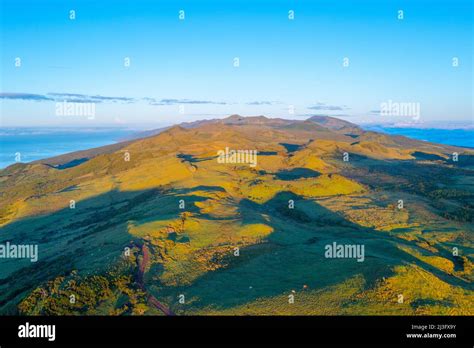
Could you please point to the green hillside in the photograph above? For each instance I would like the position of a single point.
(159, 226)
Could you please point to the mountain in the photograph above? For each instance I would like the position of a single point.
(333, 123)
(176, 223)
(231, 120)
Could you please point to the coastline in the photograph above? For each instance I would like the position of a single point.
(55, 141)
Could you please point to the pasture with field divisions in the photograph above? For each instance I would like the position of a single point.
(157, 225)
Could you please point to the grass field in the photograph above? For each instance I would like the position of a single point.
(206, 238)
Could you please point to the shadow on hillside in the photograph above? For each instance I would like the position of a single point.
(92, 236)
(296, 173)
(439, 184)
(88, 238)
(293, 256)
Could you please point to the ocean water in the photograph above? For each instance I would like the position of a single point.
(37, 143)
(457, 137)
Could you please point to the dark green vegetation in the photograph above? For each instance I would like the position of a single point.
(172, 231)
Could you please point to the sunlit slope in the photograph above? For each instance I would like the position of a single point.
(162, 219)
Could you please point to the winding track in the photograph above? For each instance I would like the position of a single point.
(142, 266)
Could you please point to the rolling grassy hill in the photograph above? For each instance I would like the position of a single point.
(157, 225)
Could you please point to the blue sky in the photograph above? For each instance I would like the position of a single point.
(189, 63)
